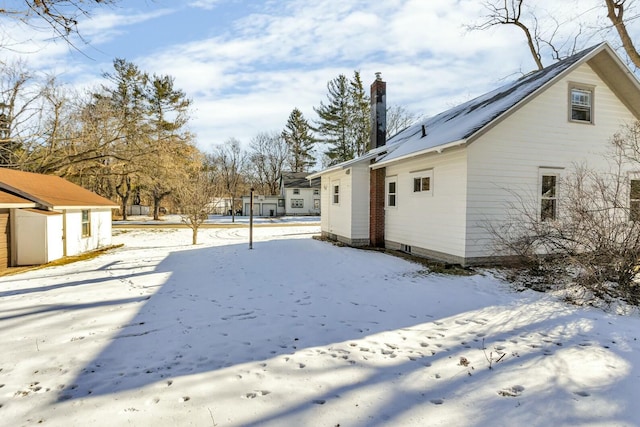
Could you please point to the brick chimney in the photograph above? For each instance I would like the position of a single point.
(377, 176)
(378, 136)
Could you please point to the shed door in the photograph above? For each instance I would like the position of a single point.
(5, 232)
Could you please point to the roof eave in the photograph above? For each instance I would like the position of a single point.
(437, 149)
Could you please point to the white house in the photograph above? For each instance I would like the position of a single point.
(301, 196)
(432, 188)
(44, 218)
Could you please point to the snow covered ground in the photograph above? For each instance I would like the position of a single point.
(299, 332)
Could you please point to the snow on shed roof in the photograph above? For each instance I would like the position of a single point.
(461, 122)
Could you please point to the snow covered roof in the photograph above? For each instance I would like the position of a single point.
(457, 125)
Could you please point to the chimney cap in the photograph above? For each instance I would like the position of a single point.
(378, 75)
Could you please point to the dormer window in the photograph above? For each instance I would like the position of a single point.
(581, 103)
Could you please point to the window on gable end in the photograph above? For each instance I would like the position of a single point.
(581, 103)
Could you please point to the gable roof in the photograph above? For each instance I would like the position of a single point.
(50, 191)
(298, 180)
(462, 124)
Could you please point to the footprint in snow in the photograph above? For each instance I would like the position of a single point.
(513, 391)
(437, 401)
(582, 393)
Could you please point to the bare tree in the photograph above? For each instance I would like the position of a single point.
(267, 157)
(542, 28)
(615, 13)
(230, 161)
(60, 15)
(194, 200)
(398, 118)
(509, 12)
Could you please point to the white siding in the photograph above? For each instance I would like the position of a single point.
(38, 237)
(434, 222)
(360, 180)
(505, 161)
(349, 219)
(100, 231)
(306, 195)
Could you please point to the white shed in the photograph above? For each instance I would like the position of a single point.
(38, 234)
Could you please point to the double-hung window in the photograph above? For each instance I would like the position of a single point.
(336, 194)
(86, 223)
(548, 196)
(581, 103)
(391, 192)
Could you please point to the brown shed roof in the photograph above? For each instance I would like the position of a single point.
(8, 199)
(48, 190)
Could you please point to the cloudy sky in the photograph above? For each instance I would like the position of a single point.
(247, 63)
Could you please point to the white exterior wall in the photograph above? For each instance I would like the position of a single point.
(38, 237)
(349, 219)
(306, 194)
(434, 222)
(508, 157)
(100, 230)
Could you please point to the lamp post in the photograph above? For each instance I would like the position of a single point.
(251, 219)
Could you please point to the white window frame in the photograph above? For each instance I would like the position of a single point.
(297, 203)
(85, 222)
(417, 183)
(316, 204)
(544, 198)
(388, 195)
(335, 193)
(576, 104)
(296, 191)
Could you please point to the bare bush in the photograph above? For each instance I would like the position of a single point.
(596, 235)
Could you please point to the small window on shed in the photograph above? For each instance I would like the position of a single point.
(336, 194)
(86, 223)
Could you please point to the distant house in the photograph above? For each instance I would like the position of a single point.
(301, 196)
(263, 205)
(433, 187)
(43, 218)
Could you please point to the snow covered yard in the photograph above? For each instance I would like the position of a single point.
(299, 332)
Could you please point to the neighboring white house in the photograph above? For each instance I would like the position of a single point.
(46, 217)
(301, 196)
(432, 188)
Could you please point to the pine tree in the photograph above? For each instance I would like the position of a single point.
(360, 113)
(344, 122)
(297, 135)
(333, 123)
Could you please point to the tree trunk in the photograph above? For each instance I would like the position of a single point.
(233, 209)
(124, 191)
(194, 235)
(617, 19)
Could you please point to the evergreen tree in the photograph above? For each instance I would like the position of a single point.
(344, 122)
(297, 135)
(333, 123)
(360, 115)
